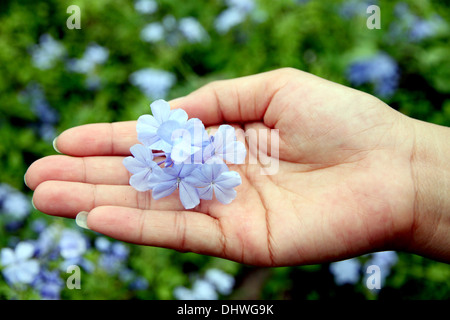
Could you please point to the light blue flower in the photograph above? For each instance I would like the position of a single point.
(353, 8)
(47, 242)
(72, 244)
(146, 6)
(169, 179)
(201, 290)
(409, 26)
(192, 30)
(47, 52)
(222, 281)
(235, 14)
(154, 83)
(113, 259)
(379, 70)
(346, 271)
(422, 29)
(185, 145)
(93, 55)
(47, 116)
(102, 244)
(152, 32)
(19, 267)
(138, 283)
(141, 165)
(228, 19)
(215, 179)
(187, 142)
(385, 260)
(119, 250)
(17, 205)
(39, 104)
(225, 147)
(243, 5)
(148, 125)
(49, 284)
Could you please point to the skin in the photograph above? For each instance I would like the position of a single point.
(354, 176)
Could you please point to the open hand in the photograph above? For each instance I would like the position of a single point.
(343, 183)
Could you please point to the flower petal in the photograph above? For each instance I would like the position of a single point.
(224, 195)
(166, 131)
(228, 180)
(141, 153)
(27, 271)
(188, 195)
(160, 110)
(133, 165)
(7, 256)
(164, 189)
(140, 181)
(205, 193)
(24, 250)
(197, 179)
(146, 128)
(178, 115)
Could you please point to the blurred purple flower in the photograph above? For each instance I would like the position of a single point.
(412, 27)
(13, 203)
(113, 256)
(138, 283)
(192, 30)
(93, 55)
(47, 52)
(38, 225)
(47, 242)
(102, 244)
(228, 19)
(47, 116)
(49, 284)
(72, 244)
(346, 271)
(152, 32)
(207, 288)
(19, 267)
(146, 6)
(235, 14)
(201, 290)
(422, 29)
(222, 281)
(380, 70)
(353, 8)
(154, 83)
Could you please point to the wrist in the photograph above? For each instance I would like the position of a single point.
(430, 165)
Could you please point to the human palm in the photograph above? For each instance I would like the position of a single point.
(336, 182)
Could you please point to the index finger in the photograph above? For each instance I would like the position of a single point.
(98, 139)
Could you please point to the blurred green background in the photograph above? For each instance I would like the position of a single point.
(129, 53)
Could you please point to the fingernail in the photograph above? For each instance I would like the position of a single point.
(25, 180)
(32, 203)
(81, 219)
(54, 145)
